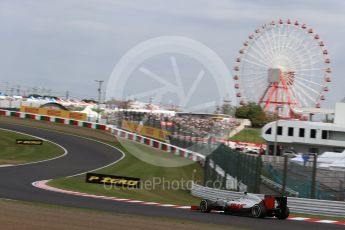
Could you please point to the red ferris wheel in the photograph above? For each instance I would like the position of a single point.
(283, 65)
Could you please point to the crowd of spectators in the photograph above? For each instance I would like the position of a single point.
(205, 126)
(181, 125)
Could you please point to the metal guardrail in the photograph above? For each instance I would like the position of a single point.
(278, 187)
(297, 205)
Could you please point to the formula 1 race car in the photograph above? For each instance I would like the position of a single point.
(250, 204)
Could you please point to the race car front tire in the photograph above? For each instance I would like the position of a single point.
(283, 214)
(205, 206)
(258, 211)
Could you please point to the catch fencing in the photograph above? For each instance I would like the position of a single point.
(308, 179)
(233, 170)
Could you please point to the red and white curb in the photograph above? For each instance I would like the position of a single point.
(43, 185)
(314, 220)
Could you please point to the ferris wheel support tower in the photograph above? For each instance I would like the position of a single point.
(277, 91)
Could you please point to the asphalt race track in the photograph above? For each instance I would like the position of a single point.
(85, 155)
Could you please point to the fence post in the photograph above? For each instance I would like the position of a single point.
(258, 174)
(238, 168)
(313, 178)
(284, 174)
(207, 170)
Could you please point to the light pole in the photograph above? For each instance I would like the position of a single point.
(18, 90)
(100, 82)
(6, 88)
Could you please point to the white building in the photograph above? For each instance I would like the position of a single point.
(307, 136)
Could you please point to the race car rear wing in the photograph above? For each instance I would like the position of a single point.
(269, 201)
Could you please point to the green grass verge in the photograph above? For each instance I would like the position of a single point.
(11, 153)
(249, 135)
(161, 174)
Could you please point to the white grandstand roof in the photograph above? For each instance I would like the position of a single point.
(305, 110)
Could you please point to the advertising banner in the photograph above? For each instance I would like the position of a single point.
(146, 130)
(28, 142)
(54, 112)
(96, 178)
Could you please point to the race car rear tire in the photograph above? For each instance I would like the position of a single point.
(258, 211)
(283, 214)
(205, 206)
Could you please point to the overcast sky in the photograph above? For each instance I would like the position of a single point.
(67, 44)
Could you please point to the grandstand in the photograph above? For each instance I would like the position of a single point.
(178, 124)
(195, 127)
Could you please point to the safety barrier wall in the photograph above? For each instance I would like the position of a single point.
(157, 144)
(53, 119)
(144, 130)
(113, 130)
(297, 205)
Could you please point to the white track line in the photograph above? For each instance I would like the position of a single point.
(29, 163)
(299, 218)
(66, 152)
(326, 221)
(112, 163)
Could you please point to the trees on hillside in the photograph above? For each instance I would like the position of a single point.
(225, 108)
(254, 113)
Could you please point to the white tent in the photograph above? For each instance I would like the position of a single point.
(327, 159)
(89, 112)
(338, 165)
(157, 111)
(298, 160)
(330, 157)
